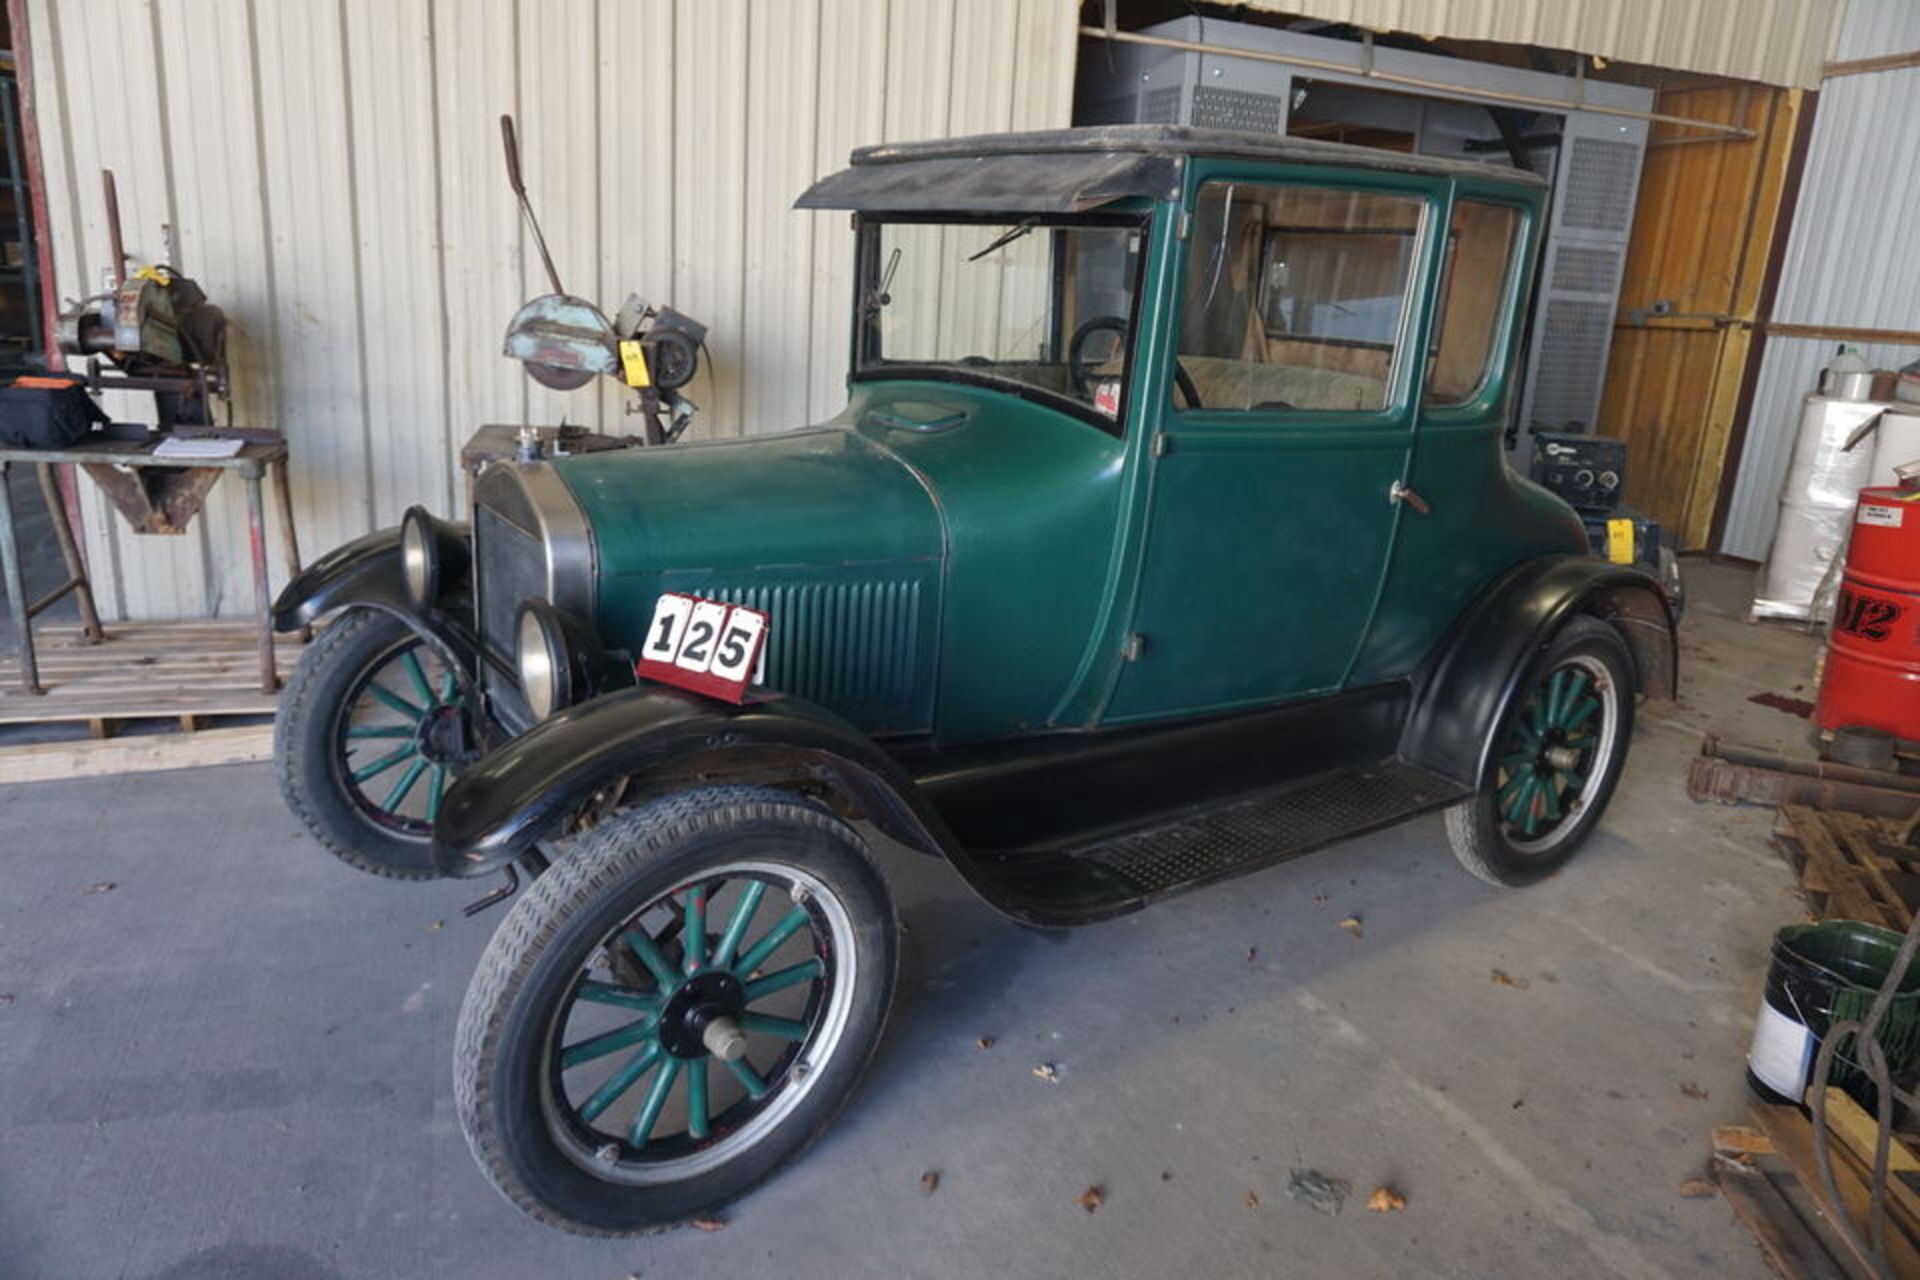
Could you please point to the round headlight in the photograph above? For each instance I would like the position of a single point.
(419, 557)
(541, 655)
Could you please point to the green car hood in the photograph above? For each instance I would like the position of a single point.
(828, 531)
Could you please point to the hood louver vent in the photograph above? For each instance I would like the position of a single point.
(859, 648)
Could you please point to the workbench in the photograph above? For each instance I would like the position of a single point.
(256, 462)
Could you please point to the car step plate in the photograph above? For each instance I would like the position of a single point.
(1268, 826)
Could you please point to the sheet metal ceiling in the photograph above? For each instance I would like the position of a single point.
(1781, 42)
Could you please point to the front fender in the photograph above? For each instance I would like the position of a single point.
(1487, 656)
(364, 571)
(526, 790)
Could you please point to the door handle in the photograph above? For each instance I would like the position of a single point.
(1401, 493)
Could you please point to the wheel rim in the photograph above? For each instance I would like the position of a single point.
(402, 733)
(631, 1090)
(1557, 754)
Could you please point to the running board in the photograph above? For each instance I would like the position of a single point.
(1125, 869)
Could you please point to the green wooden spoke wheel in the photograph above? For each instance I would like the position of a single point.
(403, 732)
(676, 1008)
(372, 730)
(1557, 757)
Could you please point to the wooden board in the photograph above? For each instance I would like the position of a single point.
(144, 753)
(1850, 866)
(1858, 1132)
(142, 669)
(1792, 1136)
(1789, 1244)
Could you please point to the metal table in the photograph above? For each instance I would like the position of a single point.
(255, 461)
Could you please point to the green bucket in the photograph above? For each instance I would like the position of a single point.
(1824, 974)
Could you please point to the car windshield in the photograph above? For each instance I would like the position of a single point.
(1042, 302)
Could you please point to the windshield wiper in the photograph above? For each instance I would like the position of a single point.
(1002, 241)
(877, 299)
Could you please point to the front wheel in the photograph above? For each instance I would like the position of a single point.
(677, 1008)
(1557, 756)
(371, 731)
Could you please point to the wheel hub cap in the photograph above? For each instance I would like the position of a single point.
(700, 1005)
(443, 735)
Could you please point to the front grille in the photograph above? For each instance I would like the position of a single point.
(510, 565)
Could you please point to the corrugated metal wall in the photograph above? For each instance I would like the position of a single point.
(330, 172)
(1852, 259)
(1780, 42)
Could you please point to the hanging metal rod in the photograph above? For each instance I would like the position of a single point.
(1576, 103)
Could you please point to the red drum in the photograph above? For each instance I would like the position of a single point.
(1872, 674)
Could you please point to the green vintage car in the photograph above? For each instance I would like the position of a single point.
(1166, 534)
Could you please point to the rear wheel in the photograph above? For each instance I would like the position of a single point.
(371, 731)
(1557, 757)
(676, 1008)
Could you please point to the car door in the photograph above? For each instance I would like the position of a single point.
(1272, 505)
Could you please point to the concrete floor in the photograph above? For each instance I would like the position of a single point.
(234, 1061)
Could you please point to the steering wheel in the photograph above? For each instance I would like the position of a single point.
(1082, 376)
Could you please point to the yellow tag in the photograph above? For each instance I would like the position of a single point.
(154, 274)
(1620, 541)
(634, 360)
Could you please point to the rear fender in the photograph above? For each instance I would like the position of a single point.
(624, 745)
(1488, 657)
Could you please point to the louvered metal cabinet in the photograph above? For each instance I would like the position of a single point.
(1595, 170)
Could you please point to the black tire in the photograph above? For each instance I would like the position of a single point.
(1504, 849)
(511, 1088)
(312, 755)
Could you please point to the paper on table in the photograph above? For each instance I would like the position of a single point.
(175, 447)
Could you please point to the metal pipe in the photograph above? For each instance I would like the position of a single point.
(1734, 753)
(1415, 82)
(115, 243)
(1729, 783)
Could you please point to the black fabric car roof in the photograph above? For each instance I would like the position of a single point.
(1071, 170)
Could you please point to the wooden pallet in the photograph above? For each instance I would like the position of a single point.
(1770, 1176)
(173, 670)
(1851, 866)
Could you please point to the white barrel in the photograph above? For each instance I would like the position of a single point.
(1816, 504)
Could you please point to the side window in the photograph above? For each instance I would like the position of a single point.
(1481, 246)
(1296, 297)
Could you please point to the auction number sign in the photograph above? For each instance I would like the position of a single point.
(703, 645)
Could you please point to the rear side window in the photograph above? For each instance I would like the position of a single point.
(1296, 297)
(1481, 244)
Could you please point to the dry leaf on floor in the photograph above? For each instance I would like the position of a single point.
(1352, 925)
(1253, 1201)
(710, 1224)
(1502, 978)
(929, 1182)
(983, 1042)
(1048, 1072)
(1251, 953)
(1698, 1189)
(101, 886)
(1166, 1175)
(1386, 1200)
(1694, 1091)
(6, 998)
(436, 926)
(1092, 1198)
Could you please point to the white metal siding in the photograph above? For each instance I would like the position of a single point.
(331, 173)
(1852, 260)
(1779, 42)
